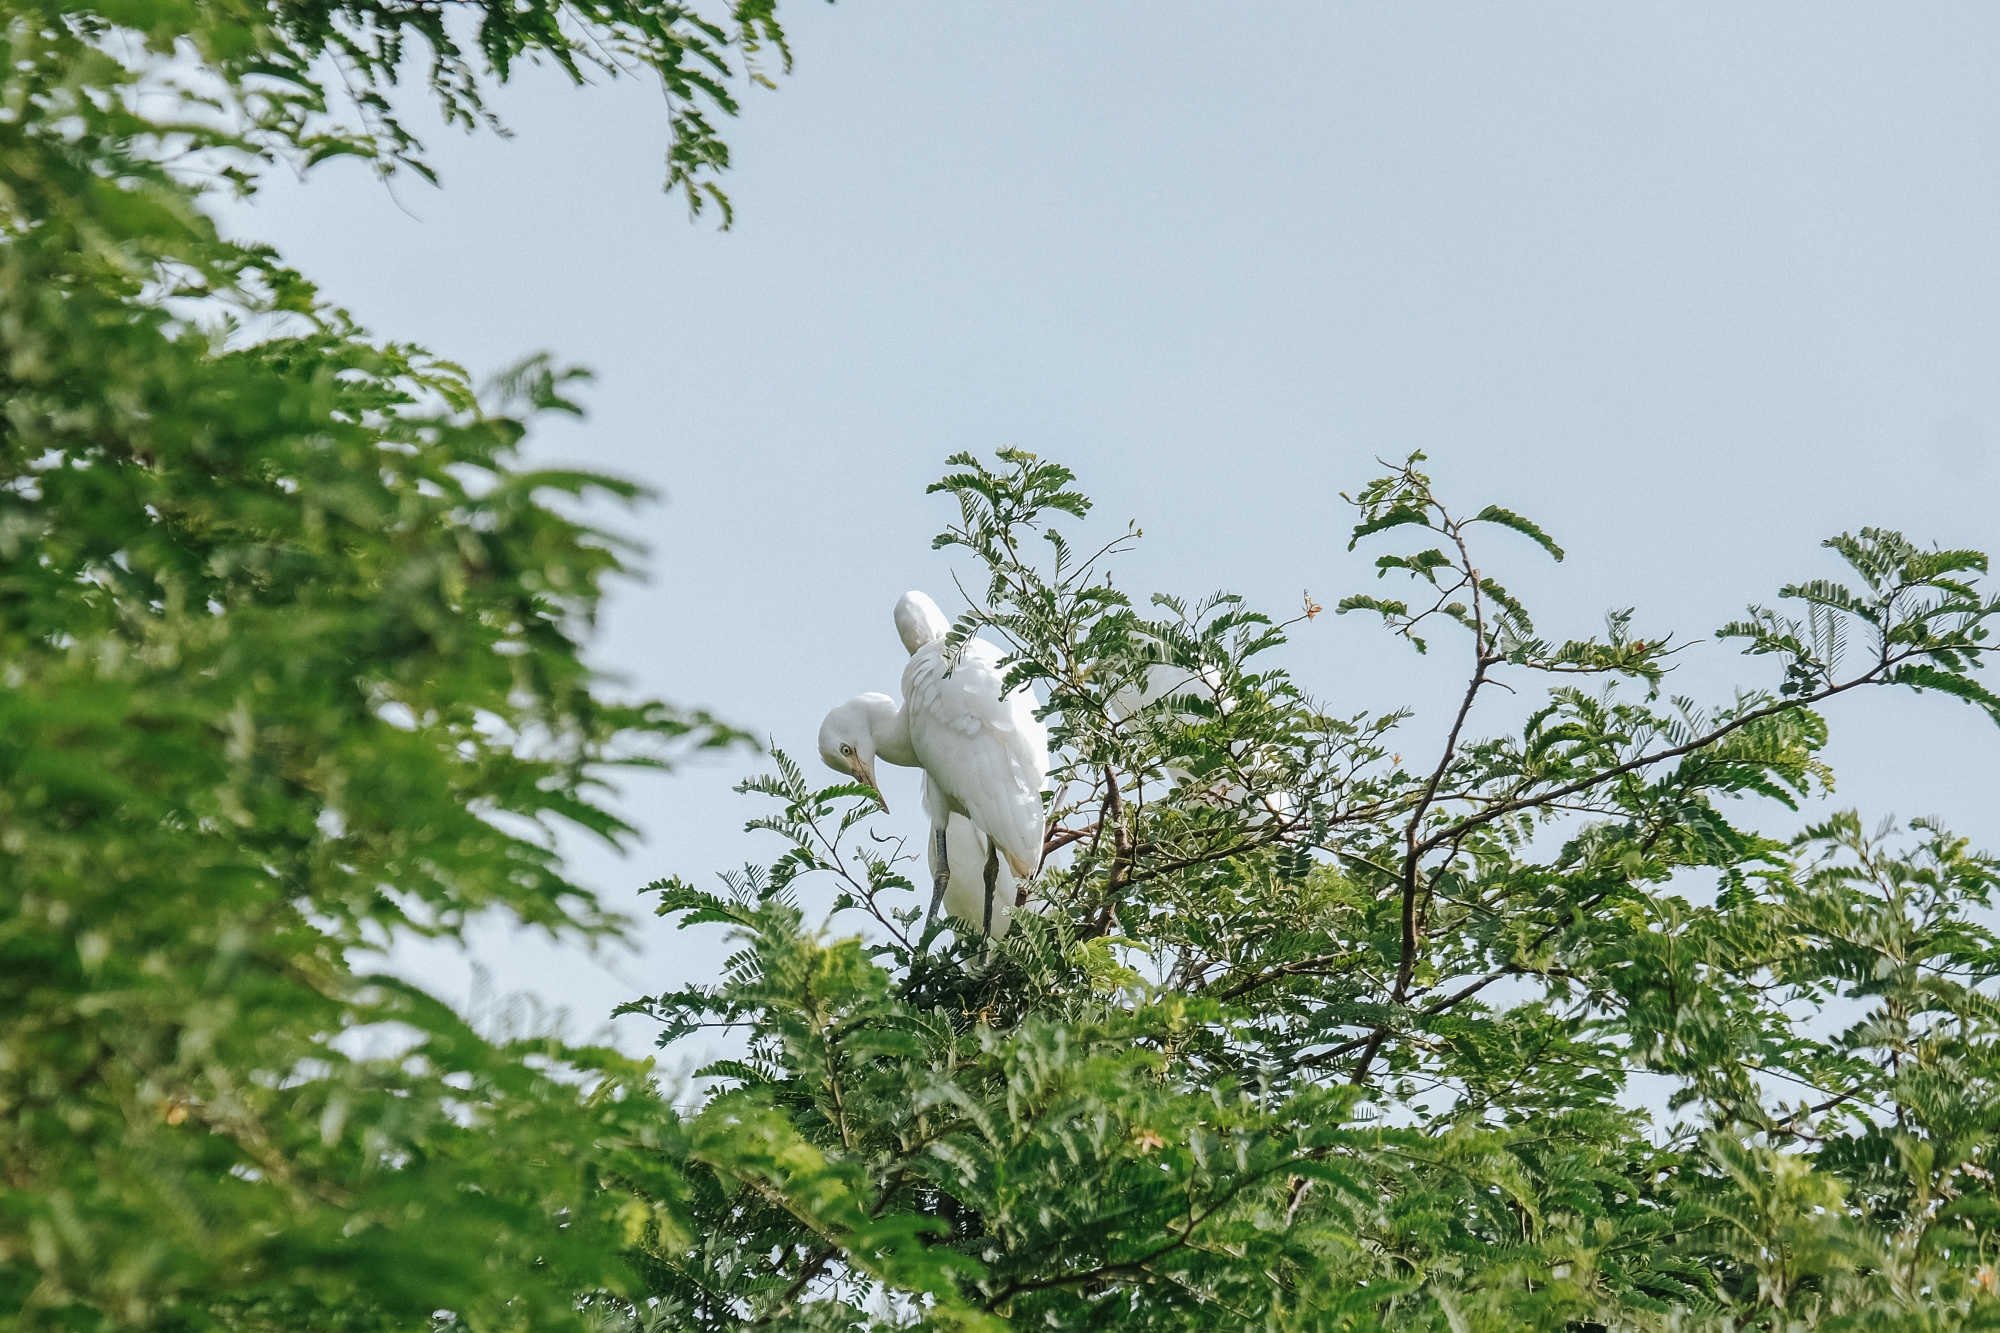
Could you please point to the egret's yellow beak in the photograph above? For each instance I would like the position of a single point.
(865, 775)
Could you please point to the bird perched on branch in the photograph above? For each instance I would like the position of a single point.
(984, 754)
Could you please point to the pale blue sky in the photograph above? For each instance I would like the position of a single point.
(1695, 285)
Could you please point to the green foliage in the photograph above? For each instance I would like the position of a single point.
(289, 669)
(1298, 1036)
(1294, 1036)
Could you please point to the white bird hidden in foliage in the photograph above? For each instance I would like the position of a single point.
(984, 754)
(1161, 680)
(1164, 679)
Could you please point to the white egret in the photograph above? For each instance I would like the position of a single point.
(984, 754)
(1163, 679)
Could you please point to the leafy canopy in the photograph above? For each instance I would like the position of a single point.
(289, 670)
(1297, 1036)
(1300, 1035)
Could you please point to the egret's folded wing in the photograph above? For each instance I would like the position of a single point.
(987, 752)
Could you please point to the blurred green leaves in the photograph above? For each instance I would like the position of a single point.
(290, 669)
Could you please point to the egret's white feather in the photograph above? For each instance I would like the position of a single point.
(1166, 680)
(918, 621)
(981, 746)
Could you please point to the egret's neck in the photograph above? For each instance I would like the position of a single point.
(889, 728)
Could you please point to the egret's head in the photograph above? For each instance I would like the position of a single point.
(847, 739)
(918, 620)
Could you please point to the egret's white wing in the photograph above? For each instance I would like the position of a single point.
(1026, 740)
(987, 755)
(1164, 680)
(1025, 734)
(1161, 680)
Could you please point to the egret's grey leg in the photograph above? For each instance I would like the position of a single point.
(992, 877)
(942, 878)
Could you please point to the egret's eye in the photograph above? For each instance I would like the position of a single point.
(847, 751)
